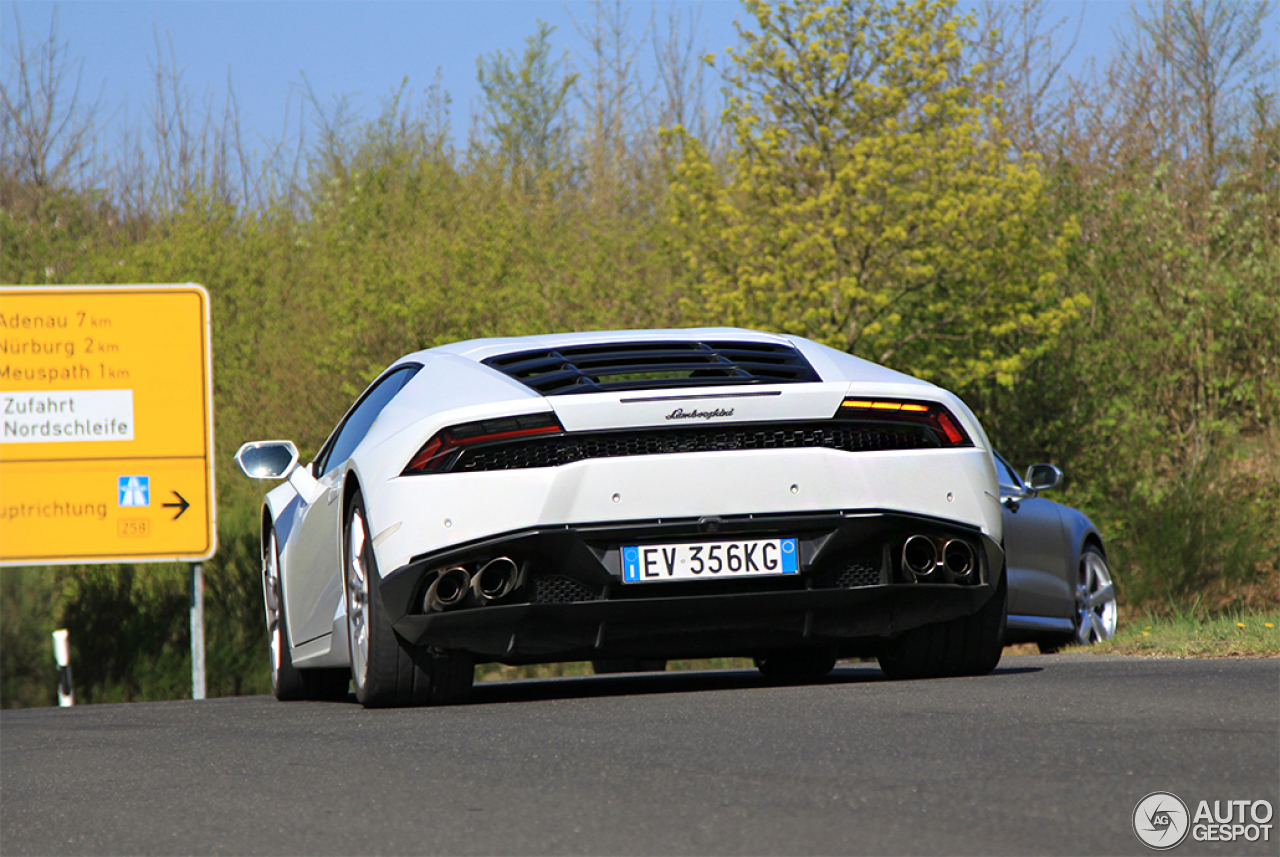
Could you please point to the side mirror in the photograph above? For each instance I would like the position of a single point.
(278, 459)
(267, 459)
(1042, 477)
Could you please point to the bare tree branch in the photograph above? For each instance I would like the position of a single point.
(48, 130)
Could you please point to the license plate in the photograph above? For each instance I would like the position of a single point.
(709, 560)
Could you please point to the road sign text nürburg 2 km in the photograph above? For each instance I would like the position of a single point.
(106, 425)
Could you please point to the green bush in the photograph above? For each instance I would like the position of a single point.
(28, 674)
(1212, 537)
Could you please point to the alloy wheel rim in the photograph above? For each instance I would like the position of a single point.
(1096, 609)
(358, 599)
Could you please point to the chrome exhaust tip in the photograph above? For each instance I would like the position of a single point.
(920, 555)
(448, 589)
(959, 558)
(495, 579)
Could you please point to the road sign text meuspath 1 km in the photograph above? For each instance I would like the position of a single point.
(106, 425)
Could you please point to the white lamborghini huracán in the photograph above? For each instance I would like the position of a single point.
(625, 498)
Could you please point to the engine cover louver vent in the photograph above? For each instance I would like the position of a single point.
(653, 366)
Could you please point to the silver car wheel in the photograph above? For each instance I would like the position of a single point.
(1096, 609)
(357, 598)
(271, 601)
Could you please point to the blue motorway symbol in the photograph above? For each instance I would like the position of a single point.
(134, 490)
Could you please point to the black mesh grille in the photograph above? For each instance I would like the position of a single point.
(858, 574)
(653, 366)
(557, 589)
(567, 448)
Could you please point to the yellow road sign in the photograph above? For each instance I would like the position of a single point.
(106, 425)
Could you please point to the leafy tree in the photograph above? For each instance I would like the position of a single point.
(1200, 56)
(526, 103)
(862, 189)
(129, 633)
(869, 201)
(1162, 401)
(28, 675)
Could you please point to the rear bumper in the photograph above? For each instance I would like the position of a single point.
(414, 516)
(696, 626)
(571, 604)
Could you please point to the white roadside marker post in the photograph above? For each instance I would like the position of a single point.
(197, 631)
(62, 654)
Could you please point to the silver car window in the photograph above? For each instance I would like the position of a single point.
(361, 417)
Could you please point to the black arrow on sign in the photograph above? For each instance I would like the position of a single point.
(181, 505)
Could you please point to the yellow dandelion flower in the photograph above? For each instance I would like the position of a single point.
(1239, 624)
(1146, 634)
(1268, 625)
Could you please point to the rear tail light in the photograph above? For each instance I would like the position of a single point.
(439, 453)
(931, 414)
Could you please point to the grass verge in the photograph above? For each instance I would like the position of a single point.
(501, 672)
(1252, 634)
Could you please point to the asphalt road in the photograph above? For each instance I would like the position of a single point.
(1049, 755)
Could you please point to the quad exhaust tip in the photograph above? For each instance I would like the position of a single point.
(448, 589)
(958, 557)
(922, 557)
(495, 579)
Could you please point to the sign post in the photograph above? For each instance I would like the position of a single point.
(106, 428)
(197, 631)
(62, 656)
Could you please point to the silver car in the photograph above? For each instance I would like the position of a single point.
(1060, 586)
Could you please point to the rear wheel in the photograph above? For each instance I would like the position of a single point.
(1096, 611)
(386, 671)
(797, 664)
(969, 645)
(287, 681)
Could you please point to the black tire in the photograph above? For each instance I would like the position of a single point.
(385, 670)
(627, 665)
(288, 683)
(969, 645)
(796, 665)
(452, 676)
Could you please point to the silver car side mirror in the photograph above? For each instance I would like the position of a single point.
(278, 459)
(1042, 477)
(267, 459)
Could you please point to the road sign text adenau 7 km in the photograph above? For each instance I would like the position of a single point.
(106, 425)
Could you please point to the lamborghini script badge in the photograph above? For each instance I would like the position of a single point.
(695, 414)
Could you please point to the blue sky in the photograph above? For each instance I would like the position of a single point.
(359, 49)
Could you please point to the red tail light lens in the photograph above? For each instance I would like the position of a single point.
(439, 453)
(932, 414)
